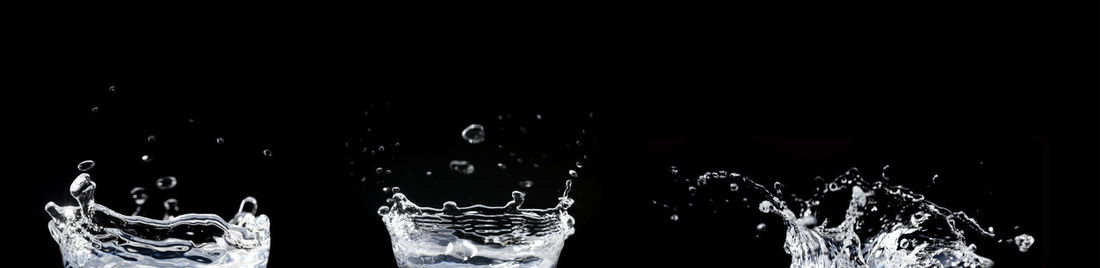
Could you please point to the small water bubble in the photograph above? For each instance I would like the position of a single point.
(267, 152)
(167, 182)
(572, 173)
(219, 140)
(1024, 242)
(146, 158)
(917, 218)
(474, 134)
(674, 217)
(762, 226)
(462, 167)
(833, 187)
(85, 165)
(151, 139)
(139, 196)
(766, 206)
(526, 184)
(734, 187)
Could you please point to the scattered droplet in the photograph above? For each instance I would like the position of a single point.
(167, 182)
(1024, 242)
(428, 173)
(146, 158)
(572, 173)
(526, 184)
(381, 148)
(267, 152)
(674, 217)
(538, 116)
(501, 166)
(884, 177)
(85, 165)
(674, 170)
(474, 134)
(580, 165)
(139, 195)
(778, 188)
(766, 206)
(934, 177)
(388, 172)
(219, 140)
(95, 109)
(734, 187)
(462, 167)
(171, 208)
(691, 190)
(762, 226)
(151, 139)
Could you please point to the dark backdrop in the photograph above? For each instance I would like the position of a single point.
(998, 100)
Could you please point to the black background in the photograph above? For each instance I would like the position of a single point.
(998, 100)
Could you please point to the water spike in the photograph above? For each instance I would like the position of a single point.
(250, 203)
(83, 190)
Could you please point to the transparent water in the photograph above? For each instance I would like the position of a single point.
(477, 235)
(883, 225)
(93, 235)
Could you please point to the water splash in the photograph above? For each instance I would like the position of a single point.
(883, 225)
(92, 235)
(478, 235)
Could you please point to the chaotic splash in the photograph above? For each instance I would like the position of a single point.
(477, 235)
(92, 235)
(882, 226)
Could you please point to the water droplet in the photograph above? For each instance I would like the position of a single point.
(673, 170)
(1024, 242)
(379, 170)
(526, 184)
(112, 89)
(691, 190)
(428, 173)
(167, 182)
(395, 189)
(388, 172)
(778, 188)
(267, 152)
(462, 167)
(146, 158)
(833, 187)
(580, 165)
(381, 148)
(95, 109)
(501, 166)
(385, 189)
(674, 217)
(766, 206)
(884, 177)
(762, 226)
(383, 210)
(151, 139)
(934, 177)
(219, 140)
(538, 116)
(572, 173)
(139, 196)
(918, 218)
(85, 165)
(734, 187)
(171, 208)
(474, 134)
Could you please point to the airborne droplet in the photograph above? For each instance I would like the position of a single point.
(572, 173)
(1024, 241)
(167, 182)
(85, 165)
(462, 167)
(474, 134)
